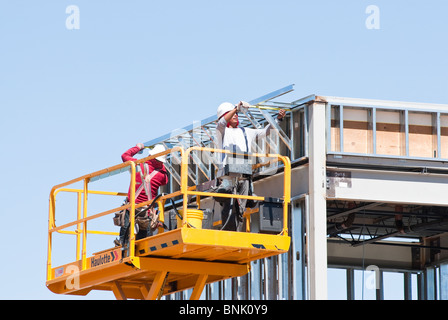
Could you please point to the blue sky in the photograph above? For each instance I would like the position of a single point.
(73, 101)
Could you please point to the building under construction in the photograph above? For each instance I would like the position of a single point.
(351, 184)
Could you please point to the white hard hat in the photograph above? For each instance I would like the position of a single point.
(157, 149)
(224, 107)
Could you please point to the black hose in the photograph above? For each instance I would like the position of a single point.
(150, 205)
(178, 214)
(175, 209)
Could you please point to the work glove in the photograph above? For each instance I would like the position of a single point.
(281, 114)
(141, 146)
(242, 105)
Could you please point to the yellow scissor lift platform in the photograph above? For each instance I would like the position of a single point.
(170, 261)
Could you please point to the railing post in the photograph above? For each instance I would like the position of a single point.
(184, 183)
(132, 213)
(51, 219)
(78, 227)
(84, 228)
(286, 192)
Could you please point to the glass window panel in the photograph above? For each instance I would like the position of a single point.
(337, 284)
(363, 288)
(393, 285)
(444, 281)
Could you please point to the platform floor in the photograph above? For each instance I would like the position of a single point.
(174, 261)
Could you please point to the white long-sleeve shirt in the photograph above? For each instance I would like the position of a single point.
(233, 139)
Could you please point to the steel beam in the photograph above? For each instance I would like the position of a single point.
(388, 186)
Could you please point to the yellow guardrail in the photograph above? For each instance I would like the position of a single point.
(81, 230)
(286, 183)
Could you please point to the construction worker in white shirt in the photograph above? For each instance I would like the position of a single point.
(238, 140)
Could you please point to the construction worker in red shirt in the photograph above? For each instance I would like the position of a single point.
(150, 175)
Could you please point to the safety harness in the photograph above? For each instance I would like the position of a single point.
(142, 221)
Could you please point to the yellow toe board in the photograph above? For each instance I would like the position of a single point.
(213, 245)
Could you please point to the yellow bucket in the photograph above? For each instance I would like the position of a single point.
(194, 218)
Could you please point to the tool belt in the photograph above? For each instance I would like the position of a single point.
(148, 219)
(119, 216)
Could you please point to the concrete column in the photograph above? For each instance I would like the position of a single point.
(317, 205)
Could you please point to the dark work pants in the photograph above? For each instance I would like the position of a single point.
(235, 222)
(125, 231)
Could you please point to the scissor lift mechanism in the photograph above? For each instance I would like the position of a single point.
(169, 261)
